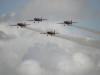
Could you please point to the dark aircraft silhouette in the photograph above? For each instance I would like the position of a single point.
(69, 23)
(52, 33)
(37, 19)
(20, 25)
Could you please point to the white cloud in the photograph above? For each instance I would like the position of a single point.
(34, 54)
(81, 60)
(53, 8)
(30, 67)
(7, 17)
(78, 64)
(55, 55)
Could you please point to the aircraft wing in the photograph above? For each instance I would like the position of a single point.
(13, 25)
(66, 24)
(30, 20)
(60, 23)
(44, 19)
(28, 24)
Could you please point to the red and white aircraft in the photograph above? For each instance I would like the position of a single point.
(37, 19)
(69, 22)
(52, 33)
(20, 25)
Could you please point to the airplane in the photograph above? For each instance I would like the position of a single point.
(20, 25)
(37, 19)
(52, 33)
(69, 23)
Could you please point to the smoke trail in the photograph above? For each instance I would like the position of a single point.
(87, 29)
(81, 40)
(34, 29)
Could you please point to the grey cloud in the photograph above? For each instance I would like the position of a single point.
(5, 69)
(52, 8)
(5, 37)
(46, 57)
(81, 40)
(56, 61)
(30, 67)
(58, 57)
(7, 17)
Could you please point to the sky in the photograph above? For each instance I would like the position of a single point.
(74, 51)
(11, 5)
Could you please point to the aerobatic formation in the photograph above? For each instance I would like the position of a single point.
(83, 41)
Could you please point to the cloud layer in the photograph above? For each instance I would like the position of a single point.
(30, 53)
(38, 8)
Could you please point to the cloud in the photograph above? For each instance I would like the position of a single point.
(81, 60)
(60, 60)
(50, 56)
(7, 17)
(31, 53)
(45, 55)
(5, 37)
(30, 67)
(52, 8)
(83, 40)
(78, 64)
